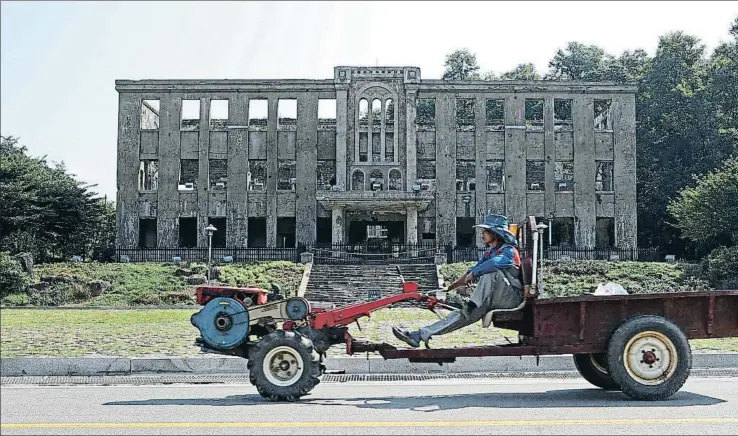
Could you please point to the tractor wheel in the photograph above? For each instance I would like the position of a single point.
(283, 366)
(593, 368)
(649, 357)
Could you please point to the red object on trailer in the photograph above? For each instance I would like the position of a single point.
(254, 295)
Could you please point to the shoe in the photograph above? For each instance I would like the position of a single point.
(410, 338)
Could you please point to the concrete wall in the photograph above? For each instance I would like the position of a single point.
(310, 146)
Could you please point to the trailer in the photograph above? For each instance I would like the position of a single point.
(637, 344)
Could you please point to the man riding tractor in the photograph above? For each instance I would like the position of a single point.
(499, 286)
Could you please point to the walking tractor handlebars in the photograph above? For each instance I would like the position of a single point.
(285, 340)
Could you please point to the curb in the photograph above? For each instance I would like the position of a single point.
(98, 366)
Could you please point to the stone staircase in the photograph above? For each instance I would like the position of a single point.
(346, 284)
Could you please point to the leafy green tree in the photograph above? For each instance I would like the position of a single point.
(706, 212)
(522, 72)
(45, 210)
(461, 65)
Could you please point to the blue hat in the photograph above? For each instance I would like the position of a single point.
(498, 224)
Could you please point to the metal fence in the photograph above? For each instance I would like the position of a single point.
(199, 254)
(373, 253)
(470, 254)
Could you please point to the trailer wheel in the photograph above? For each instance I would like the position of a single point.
(593, 368)
(284, 366)
(649, 357)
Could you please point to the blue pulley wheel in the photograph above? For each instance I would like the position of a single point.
(297, 308)
(223, 323)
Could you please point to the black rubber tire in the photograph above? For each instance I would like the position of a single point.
(307, 381)
(595, 372)
(616, 365)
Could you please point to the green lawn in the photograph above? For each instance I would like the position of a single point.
(149, 333)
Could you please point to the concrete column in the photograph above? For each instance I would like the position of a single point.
(549, 151)
(584, 171)
(515, 159)
(411, 232)
(204, 168)
(129, 117)
(446, 169)
(624, 171)
(238, 161)
(338, 225)
(167, 214)
(411, 165)
(341, 131)
(272, 169)
(306, 205)
(480, 148)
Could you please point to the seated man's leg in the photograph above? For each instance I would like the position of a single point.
(482, 297)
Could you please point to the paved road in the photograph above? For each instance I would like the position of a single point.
(512, 406)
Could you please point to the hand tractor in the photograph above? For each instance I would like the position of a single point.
(637, 344)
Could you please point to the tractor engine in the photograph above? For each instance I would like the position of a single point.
(230, 315)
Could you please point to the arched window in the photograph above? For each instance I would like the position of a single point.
(357, 180)
(389, 117)
(376, 180)
(395, 180)
(376, 113)
(363, 112)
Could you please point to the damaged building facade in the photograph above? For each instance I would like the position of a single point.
(375, 152)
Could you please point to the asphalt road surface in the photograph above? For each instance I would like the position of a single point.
(504, 406)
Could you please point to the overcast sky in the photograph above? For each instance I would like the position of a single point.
(60, 60)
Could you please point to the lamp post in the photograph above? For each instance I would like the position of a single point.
(210, 229)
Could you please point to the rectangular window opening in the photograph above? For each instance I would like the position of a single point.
(218, 114)
(218, 172)
(562, 232)
(602, 115)
(426, 113)
(147, 232)
(190, 115)
(287, 175)
(465, 232)
(257, 232)
(326, 174)
(465, 114)
(604, 176)
(189, 173)
(188, 232)
(149, 114)
(286, 234)
(287, 113)
(327, 113)
(148, 175)
(605, 233)
(495, 115)
(562, 115)
(564, 176)
(258, 114)
(219, 236)
(534, 114)
(257, 175)
(496, 176)
(323, 231)
(535, 175)
(466, 173)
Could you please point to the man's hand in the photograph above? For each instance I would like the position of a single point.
(464, 280)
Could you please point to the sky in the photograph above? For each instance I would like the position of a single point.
(59, 60)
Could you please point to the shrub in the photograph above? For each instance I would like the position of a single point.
(13, 280)
(720, 268)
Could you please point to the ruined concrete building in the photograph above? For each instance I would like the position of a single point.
(373, 152)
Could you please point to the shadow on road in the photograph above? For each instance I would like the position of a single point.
(567, 398)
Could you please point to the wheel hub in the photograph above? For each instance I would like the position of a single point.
(283, 366)
(650, 358)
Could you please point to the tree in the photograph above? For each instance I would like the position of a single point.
(46, 211)
(706, 212)
(461, 65)
(522, 72)
(579, 62)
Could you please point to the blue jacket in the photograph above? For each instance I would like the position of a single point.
(494, 259)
